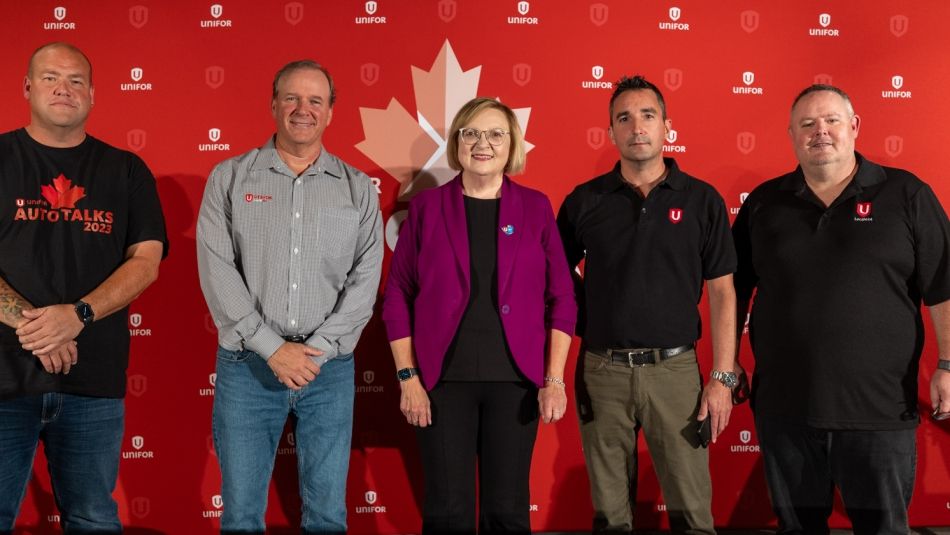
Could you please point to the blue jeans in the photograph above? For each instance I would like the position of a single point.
(873, 470)
(83, 437)
(250, 410)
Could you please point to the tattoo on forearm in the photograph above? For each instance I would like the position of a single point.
(12, 305)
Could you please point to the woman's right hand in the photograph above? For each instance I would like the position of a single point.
(414, 403)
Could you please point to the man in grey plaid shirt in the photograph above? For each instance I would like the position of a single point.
(289, 253)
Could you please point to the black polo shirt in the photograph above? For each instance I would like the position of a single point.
(645, 259)
(836, 327)
(67, 216)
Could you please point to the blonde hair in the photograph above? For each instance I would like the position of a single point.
(516, 154)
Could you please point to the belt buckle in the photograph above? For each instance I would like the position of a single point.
(632, 354)
(296, 338)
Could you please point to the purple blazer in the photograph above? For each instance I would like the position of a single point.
(429, 281)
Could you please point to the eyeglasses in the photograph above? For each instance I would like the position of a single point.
(495, 136)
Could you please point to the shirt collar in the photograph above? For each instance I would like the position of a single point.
(869, 174)
(675, 179)
(269, 158)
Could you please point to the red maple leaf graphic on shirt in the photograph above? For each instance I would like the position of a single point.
(62, 194)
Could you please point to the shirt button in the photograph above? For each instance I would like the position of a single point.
(643, 210)
(296, 250)
(297, 181)
(505, 309)
(293, 322)
(297, 214)
(294, 286)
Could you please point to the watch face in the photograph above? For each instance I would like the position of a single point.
(404, 374)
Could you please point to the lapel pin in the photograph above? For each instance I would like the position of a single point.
(508, 229)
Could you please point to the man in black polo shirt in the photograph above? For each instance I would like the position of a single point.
(81, 235)
(650, 235)
(841, 252)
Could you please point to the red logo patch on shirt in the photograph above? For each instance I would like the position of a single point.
(863, 209)
(676, 215)
(62, 194)
(257, 197)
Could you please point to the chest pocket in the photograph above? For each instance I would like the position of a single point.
(337, 230)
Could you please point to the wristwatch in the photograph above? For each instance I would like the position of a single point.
(943, 364)
(85, 313)
(730, 379)
(407, 373)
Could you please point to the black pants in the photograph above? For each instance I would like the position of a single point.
(496, 423)
(873, 470)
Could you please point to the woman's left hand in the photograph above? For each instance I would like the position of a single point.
(552, 400)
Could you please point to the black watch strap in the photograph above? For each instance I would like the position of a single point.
(943, 364)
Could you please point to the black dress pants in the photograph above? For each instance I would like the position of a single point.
(495, 423)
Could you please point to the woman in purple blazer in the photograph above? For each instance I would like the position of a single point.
(479, 308)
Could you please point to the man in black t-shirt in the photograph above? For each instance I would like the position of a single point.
(81, 235)
(650, 236)
(840, 253)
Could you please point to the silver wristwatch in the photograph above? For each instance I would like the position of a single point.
(730, 379)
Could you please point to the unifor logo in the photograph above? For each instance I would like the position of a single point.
(521, 74)
(897, 81)
(676, 215)
(135, 139)
(745, 436)
(749, 21)
(140, 507)
(823, 78)
(745, 142)
(743, 196)
(20, 202)
(136, 74)
(248, 197)
(899, 24)
(369, 376)
(596, 137)
(291, 439)
(447, 10)
(371, 7)
(370, 497)
(523, 7)
(673, 79)
(216, 501)
(598, 14)
(137, 384)
(675, 13)
(138, 16)
(824, 19)
(748, 77)
(214, 134)
(135, 319)
(671, 136)
(293, 13)
(216, 10)
(893, 146)
(597, 72)
(863, 209)
(212, 378)
(214, 76)
(59, 13)
(369, 73)
(138, 442)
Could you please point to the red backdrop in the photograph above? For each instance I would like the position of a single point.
(186, 84)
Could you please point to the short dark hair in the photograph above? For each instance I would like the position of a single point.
(59, 44)
(300, 65)
(814, 88)
(636, 83)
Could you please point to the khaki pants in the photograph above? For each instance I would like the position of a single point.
(614, 402)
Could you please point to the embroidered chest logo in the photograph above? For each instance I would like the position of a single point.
(862, 212)
(58, 203)
(257, 197)
(676, 215)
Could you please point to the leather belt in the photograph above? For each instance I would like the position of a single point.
(296, 338)
(644, 356)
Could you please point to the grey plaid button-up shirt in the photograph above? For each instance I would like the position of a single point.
(281, 255)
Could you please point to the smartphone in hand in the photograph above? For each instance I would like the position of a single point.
(704, 432)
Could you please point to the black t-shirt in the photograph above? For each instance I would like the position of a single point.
(836, 328)
(645, 259)
(479, 351)
(67, 216)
